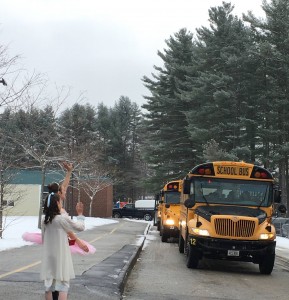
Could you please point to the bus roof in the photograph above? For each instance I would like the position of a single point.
(232, 169)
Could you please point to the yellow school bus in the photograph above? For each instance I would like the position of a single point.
(170, 210)
(160, 198)
(226, 213)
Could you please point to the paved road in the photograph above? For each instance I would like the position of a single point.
(98, 276)
(161, 274)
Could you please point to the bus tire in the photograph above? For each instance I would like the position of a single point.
(147, 217)
(192, 257)
(158, 225)
(267, 263)
(116, 215)
(161, 230)
(164, 237)
(181, 243)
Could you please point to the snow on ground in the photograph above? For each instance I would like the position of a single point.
(14, 227)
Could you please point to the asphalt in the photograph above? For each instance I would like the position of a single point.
(107, 279)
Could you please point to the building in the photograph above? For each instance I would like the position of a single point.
(23, 195)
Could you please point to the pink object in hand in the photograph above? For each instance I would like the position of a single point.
(36, 238)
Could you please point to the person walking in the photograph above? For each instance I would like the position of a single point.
(57, 267)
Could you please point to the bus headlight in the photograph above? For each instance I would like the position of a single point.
(199, 231)
(170, 222)
(266, 236)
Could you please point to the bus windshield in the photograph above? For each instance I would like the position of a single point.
(228, 191)
(172, 197)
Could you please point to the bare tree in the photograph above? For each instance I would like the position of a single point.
(95, 180)
(15, 81)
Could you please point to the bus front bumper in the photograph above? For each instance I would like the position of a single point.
(238, 250)
(171, 230)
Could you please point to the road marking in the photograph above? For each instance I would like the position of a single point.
(38, 262)
(20, 269)
(112, 231)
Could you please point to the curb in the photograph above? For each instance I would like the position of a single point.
(124, 274)
(107, 279)
(131, 263)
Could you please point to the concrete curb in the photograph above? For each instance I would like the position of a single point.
(131, 263)
(124, 274)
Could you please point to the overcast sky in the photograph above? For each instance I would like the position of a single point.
(101, 48)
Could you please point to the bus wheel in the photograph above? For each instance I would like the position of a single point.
(164, 237)
(116, 215)
(267, 263)
(181, 243)
(158, 225)
(147, 217)
(192, 257)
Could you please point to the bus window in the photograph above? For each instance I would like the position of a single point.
(172, 198)
(224, 191)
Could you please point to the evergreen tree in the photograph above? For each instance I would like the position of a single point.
(220, 90)
(273, 41)
(167, 147)
(77, 127)
(124, 147)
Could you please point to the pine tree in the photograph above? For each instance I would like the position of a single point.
(123, 147)
(220, 85)
(273, 42)
(167, 146)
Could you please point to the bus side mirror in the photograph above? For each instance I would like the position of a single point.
(187, 186)
(189, 203)
(282, 209)
(277, 196)
(157, 197)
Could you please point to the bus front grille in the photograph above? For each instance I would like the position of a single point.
(230, 228)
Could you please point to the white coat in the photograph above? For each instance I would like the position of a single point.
(56, 256)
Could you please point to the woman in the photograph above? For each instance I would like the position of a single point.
(57, 268)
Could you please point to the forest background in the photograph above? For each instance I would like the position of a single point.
(221, 94)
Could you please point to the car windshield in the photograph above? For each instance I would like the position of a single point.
(227, 191)
(172, 197)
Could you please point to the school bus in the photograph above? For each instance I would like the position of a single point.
(158, 214)
(170, 210)
(226, 213)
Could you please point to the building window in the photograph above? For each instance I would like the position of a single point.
(7, 203)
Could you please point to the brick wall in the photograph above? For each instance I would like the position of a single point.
(101, 207)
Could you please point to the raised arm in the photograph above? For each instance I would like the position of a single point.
(79, 224)
(64, 185)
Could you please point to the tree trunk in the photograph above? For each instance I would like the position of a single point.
(286, 187)
(90, 206)
(41, 197)
(1, 201)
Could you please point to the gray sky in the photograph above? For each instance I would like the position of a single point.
(100, 48)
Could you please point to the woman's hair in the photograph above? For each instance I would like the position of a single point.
(51, 208)
(53, 187)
